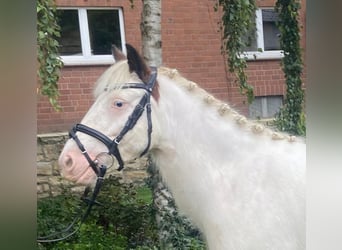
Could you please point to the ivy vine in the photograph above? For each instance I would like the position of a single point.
(48, 59)
(291, 117)
(237, 25)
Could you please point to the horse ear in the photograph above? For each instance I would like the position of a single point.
(137, 64)
(117, 54)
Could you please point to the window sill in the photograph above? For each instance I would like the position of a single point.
(84, 61)
(267, 55)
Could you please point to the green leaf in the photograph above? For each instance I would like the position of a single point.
(49, 61)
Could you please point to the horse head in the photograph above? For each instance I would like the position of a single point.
(118, 126)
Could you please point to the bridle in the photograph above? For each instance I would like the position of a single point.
(112, 146)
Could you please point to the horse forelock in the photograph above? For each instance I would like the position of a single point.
(117, 76)
(113, 78)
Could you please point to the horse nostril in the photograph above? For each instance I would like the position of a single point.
(68, 162)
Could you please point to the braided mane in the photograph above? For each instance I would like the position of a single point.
(223, 108)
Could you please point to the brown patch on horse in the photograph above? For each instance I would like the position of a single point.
(117, 54)
(138, 65)
(155, 91)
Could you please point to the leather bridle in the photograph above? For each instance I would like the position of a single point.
(112, 146)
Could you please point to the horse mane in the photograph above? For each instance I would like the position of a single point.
(117, 75)
(223, 108)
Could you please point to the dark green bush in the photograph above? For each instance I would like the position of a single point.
(124, 221)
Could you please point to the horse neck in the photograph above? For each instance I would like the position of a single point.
(193, 134)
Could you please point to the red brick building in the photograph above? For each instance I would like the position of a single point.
(191, 43)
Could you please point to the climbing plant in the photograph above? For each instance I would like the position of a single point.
(237, 25)
(291, 117)
(47, 45)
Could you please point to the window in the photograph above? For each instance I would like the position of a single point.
(265, 44)
(88, 34)
(265, 107)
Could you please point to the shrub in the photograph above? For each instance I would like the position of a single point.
(125, 220)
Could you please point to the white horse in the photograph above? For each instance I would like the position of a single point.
(242, 184)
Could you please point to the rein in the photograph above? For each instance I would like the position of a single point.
(113, 150)
(92, 201)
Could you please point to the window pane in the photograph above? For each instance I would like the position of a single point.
(70, 40)
(271, 31)
(104, 30)
(255, 109)
(273, 105)
(265, 106)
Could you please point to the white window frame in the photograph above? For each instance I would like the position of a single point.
(261, 55)
(87, 58)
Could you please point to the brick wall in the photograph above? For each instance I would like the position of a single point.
(191, 43)
(75, 86)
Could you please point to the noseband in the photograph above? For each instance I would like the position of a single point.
(112, 145)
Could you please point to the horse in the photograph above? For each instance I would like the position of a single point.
(241, 183)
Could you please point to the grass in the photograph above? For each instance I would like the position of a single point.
(144, 193)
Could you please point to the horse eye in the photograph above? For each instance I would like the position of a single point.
(118, 104)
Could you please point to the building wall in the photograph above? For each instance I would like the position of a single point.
(191, 43)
